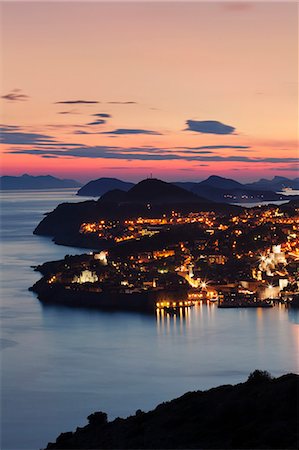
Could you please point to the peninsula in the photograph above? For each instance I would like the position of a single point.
(159, 246)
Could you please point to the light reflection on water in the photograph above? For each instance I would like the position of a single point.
(182, 320)
(60, 364)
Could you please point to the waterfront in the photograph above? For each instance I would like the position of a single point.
(60, 364)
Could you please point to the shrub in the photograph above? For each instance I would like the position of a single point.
(259, 376)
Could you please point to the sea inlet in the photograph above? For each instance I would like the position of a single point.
(60, 364)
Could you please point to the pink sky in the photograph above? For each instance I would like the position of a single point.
(151, 67)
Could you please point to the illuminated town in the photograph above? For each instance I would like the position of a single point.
(176, 260)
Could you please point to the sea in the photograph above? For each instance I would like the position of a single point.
(59, 364)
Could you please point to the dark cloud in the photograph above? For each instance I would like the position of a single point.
(8, 128)
(131, 131)
(19, 138)
(217, 147)
(122, 103)
(97, 122)
(11, 136)
(15, 96)
(197, 152)
(77, 102)
(187, 169)
(102, 115)
(146, 154)
(209, 127)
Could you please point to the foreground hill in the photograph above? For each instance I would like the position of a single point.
(260, 413)
(149, 198)
(96, 188)
(39, 182)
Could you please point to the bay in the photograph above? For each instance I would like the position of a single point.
(60, 364)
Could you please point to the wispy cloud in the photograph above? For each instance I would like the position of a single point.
(76, 102)
(15, 95)
(146, 154)
(11, 135)
(291, 168)
(72, 111)
(20, 138)
(97, 122)
(209, 127)
(84, 132)
(102, 115)
(131, 131)
(216, 147)
(122, 103)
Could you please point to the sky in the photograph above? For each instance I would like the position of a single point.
(176, 90)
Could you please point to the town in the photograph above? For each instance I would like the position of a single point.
(176, 260)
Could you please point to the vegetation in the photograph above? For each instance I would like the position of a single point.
(261, 413)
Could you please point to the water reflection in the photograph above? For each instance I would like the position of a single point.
(293, 315)
(183, 319)
(59, 364)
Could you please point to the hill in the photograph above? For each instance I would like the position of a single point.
(96, 188)
(214, 188)
(225, 190)
(276, 184)
(220, 183)
(35, 182)
(260, 413)
(149, 198)
(155, 191)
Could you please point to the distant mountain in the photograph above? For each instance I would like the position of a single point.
(220, 183)
(276, 184)
(214, 188)
(96, 188)
(35, 182)
(219, 189)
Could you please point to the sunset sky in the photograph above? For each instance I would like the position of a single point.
(177, 90)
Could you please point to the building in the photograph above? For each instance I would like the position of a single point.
(86, 276)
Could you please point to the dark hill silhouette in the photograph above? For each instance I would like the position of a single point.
(221, 189)
(100, 186)
(149, 198)
(214, 188)
(260, 413)
(35, 182)
(276, 184)
(115, 195)
(220, 183)
(155, 191)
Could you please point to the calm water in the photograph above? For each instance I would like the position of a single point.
(59, 365)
